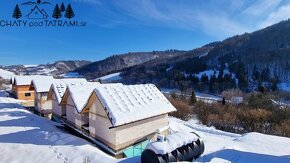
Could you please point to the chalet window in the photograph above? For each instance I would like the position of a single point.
(27, 94)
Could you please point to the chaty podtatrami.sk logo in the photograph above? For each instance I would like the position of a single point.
(37, 14)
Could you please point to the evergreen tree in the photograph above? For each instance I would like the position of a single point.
(183, 86)
(204, 78)
(17, 13)
(274, 84)
(100, 81)
(220, 76)
(262, 89)
(212, 84)
(224, 101)
(193, 98)
(56, 12)
(195, 79)
(69, 12)
(173, 95)
(265, 74)
(62, 7)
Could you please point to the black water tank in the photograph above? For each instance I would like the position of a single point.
(184, 153)
(149, 156)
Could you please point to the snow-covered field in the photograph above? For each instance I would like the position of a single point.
(110, 78)
(26, 137)
(284, 86)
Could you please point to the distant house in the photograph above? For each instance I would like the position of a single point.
(36, 13)
(41, 88)
(74, 100)
(56, 93)
(121, 116)
(237, 100)
(21, 88)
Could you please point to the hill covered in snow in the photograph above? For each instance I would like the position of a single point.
(26, 137)
(56, 68)
(6, 74)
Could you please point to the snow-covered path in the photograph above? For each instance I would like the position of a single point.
(26, 137)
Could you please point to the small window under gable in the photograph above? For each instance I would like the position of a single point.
(27, 94)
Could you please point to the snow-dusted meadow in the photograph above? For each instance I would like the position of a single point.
(26, 137)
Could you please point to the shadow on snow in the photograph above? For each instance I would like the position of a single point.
(240, 156)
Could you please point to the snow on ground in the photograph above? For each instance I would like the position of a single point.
(47, 70)
(227, 147)
(284, 86)
(200, 96)
(169, 68)
(26, 137)
(29, 66)
(212, 72)
(6, 74)
(111, 77)
(202, 55)
(71, 75)
(205, 96)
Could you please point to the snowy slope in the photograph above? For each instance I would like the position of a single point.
(227, 147)
(6, 74)
(110, 78)
(284, 86)
(212, 72)
(28, 138)
(71, 75)
(28, 66)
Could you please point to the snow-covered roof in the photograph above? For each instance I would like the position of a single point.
(26, 80)
(81, 93)
(173, 141)
(41, 85)
(59, 86)
(129, 103)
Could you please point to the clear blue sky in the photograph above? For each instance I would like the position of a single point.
(120, 26)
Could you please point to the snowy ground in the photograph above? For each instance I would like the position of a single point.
(26, 137)
(6, 74)
(71, 75)
(227, 147)
(110, 78)
(284, 86)
(29, 66)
